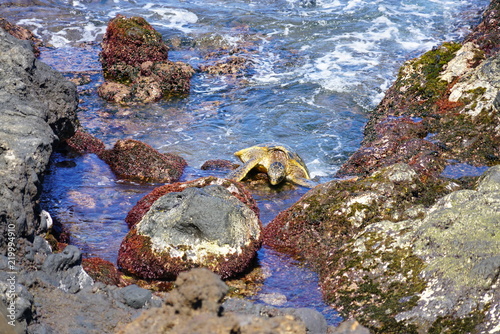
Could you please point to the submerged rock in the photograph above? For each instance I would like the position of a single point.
(135, 63)
(195, 307)
(204, 226)
(134, 160)
(83, 142)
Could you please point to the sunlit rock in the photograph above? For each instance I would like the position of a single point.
(135, 64)
(134, 160)
(202, 225)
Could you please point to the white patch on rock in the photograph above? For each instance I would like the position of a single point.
(461, 64)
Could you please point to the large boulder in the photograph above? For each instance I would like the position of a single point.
(37, 107)
(424, 275)
(330, 214)
(135, 64)
(135, 160)
(200, 223)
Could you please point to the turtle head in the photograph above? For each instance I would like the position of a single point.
(276, 173)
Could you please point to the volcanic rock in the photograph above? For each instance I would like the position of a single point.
(83, 142)
(23, 34)
(195, 307)
(401, 248)
(199, 226)
(135, 160)
(135, 63)
(37, 107)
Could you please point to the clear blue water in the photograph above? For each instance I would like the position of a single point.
(317, 71)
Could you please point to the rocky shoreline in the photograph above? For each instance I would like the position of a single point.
(399, 247)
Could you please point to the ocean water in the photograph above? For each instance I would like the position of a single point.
(317, 70)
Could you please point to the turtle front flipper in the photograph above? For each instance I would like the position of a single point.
(302, 182)
(239, 173)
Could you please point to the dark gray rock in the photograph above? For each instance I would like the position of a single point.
(65, 271)
(134, 296)
(69, 257)
(199, 214)
(39, 251)
(37, 106)
(16, 302)
(315, 322)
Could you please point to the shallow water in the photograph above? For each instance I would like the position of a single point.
(317, 71)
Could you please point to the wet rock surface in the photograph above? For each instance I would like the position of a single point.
(135, 160)
(135, 64)
(199, 226)
(22, 34)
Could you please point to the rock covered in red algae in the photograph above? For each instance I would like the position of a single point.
(101, 270)
(396, 139)
(135, 160)
(84, 142)
(135, 64)
(219, 164)
(202, 223)
(144, 204)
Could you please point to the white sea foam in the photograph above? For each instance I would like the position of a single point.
(173, 18)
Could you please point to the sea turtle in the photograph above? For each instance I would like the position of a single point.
(277, 160)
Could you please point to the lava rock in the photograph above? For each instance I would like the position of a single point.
(395, 140)
(134, 296)
(199, 226)
(144, 204)
(23, 34)
(37, 107)
(65, 271)
(135, 160)
(313, 320)
(83, 142)
(350, 327)
(195, 307)
(101, 270)
(219, 164)
(17, 300)
(135, 64)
